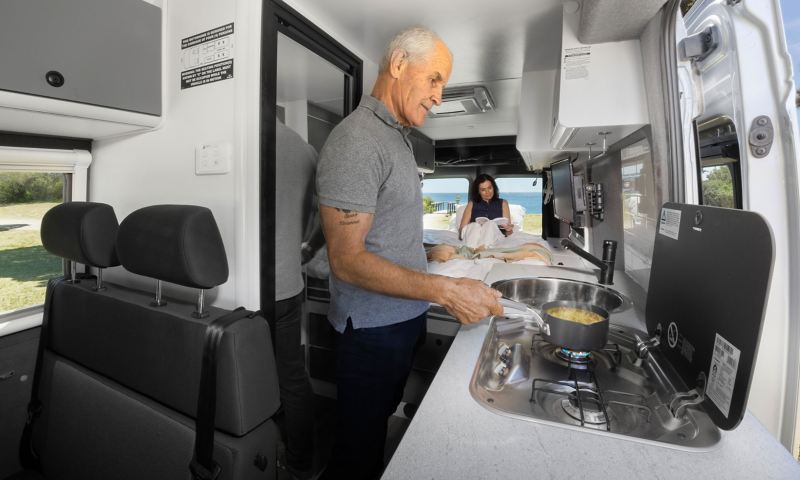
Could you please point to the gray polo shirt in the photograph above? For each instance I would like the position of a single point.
(367, 165)
(294, 193)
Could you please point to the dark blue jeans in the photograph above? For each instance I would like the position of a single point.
(297, 397)
(372, 368)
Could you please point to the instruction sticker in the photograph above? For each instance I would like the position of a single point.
(207, 57)
(722, 374)
(670, 223)
(576, 62)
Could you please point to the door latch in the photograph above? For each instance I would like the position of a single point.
(761, 136)
(698, 46)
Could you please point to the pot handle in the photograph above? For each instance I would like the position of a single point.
(512, 308)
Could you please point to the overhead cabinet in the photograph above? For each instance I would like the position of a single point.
(600, 91)
(91, 53)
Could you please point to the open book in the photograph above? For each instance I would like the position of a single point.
(499, 220)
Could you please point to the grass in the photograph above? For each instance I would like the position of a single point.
(532, 223)
(25, 266)
(25, 210)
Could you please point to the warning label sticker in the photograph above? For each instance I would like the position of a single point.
(670, 223)
(576, 62)
(207, 57)
(207, 74)
(722, 374)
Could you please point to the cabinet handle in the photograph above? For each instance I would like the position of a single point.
(6, 376)
(54, 78)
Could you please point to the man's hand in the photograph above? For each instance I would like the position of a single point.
(470, 301)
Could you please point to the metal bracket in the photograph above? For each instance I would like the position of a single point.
(683, 400)
(700, 45)
(761, 136)
(643, 346)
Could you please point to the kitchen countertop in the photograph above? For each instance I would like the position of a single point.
(452, 436)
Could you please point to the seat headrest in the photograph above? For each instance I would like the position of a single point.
(176, 243)
(83, 232)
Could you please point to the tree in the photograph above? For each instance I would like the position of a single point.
(686, 5)
(427, 205)
(718, 188)
(21, 187)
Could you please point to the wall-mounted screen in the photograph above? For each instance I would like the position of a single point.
(563, 196)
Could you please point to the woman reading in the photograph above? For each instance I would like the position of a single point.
(486, 215)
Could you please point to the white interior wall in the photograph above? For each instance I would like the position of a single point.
(297, 117)
(157, 167)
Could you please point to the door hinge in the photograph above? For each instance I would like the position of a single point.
(760, 137)
(698, 46)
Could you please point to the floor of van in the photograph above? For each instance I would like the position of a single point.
(325, 416)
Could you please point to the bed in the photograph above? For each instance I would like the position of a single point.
(482, 261)
(473, 264)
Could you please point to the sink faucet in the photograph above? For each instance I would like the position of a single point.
(606, 265)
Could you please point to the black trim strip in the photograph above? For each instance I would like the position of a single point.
(279, 17)
(25, 140)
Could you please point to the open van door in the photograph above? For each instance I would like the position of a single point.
(738, 105)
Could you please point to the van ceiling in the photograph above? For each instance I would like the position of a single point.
(492, 43)
(488, 41)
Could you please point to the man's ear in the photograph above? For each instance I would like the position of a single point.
(398, 62)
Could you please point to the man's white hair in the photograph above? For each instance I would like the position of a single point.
(416, 42)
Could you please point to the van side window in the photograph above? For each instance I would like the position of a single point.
(640, 209)
(718, 163)
(25, 265)
(441, 199)
(524, 200)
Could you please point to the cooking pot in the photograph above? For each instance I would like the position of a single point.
(566, 333)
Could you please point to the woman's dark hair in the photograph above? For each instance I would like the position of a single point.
(474, 191)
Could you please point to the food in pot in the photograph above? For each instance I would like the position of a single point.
(578, 315)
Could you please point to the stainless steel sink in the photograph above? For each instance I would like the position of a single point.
(538, 291)
(612, 391)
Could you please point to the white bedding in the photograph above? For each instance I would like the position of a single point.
(450, 237)
(479, 267)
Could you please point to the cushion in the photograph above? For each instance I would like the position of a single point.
(176, 243)
(83, 232)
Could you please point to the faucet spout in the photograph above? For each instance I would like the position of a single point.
(606, 264)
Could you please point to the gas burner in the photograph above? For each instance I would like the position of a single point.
(584, 405)
(573, 356)
(609, 357)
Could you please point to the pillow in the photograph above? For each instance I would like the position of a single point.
(517, 215)
(455, 220)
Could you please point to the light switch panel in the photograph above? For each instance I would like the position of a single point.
(212, 158)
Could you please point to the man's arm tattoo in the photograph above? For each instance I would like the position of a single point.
(349, 214)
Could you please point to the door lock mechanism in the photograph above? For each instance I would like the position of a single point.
(761, 136)
(700, 45)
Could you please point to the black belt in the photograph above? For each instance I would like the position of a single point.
(203, 466)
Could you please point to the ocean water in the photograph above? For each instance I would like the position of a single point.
(530, 201)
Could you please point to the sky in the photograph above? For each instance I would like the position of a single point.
(791, 23)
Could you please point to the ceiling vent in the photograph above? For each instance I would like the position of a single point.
(463, 100)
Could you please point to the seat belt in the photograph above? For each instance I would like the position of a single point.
(28, 457)
(203, 466)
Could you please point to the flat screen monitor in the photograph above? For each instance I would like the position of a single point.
(563, 195)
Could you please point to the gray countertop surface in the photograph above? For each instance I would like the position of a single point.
(452, 436)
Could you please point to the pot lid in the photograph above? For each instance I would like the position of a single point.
(707, 297)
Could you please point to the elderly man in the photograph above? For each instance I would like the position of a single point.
(371, 208)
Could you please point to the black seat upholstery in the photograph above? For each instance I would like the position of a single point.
(120, 377)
